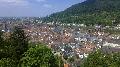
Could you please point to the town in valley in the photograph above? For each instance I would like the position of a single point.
(68, 40)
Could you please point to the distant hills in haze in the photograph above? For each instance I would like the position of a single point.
(102, 12)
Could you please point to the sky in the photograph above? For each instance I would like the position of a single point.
(33, 8)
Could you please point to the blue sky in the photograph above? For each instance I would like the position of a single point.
(33, 7)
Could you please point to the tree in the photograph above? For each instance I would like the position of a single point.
(1, 45)
(93, 60)
(39, 56)
(7, 62)
(71, 59)
(18, 43)
(59, 61)
(100, 59)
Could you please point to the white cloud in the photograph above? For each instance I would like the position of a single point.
(47, 5)
(14, 2)
(40, 0)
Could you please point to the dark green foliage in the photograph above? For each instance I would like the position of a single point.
(99, 59)
(18, 42)
(4, 51)
(71, 59)
(7, 62)
(39, 56)
(1, 45)
(59, 61)
(89, 12)
(14, 46)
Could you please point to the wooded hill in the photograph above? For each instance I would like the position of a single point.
(105, 12)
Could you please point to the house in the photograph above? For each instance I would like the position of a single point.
(111, 45)
(66, 65)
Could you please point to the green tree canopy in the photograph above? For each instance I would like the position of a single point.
(14, 46)
(39, 56)
(100, 59)
(7, 62)
(89, 12)
(18, 42)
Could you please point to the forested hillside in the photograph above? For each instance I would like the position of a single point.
(105, 12)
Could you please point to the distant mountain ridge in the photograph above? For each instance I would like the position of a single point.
(106, 12)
